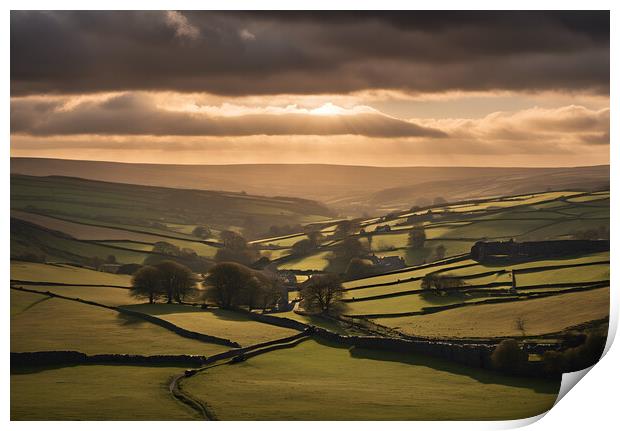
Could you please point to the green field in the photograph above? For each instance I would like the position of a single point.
(286, 241)
(415, 302)
(27, 238)
(96, 392)
(88, 232)
(28, 271)
(220, 323)
(325, 382)
(408, 303)
(83, 231)
(404, 275)
(162, 208)
(41, 323)
(111, 296)
(565, 275)
(541, 316)
(318, 262)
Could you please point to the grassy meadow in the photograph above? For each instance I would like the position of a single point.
(220, 323)
(364, 385)
(40, 323)
(540, 316)
(96, 392)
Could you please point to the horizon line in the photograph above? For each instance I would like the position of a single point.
(311, 164)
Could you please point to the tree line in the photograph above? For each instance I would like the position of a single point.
(232, 285)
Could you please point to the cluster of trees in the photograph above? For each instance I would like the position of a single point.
(236, 249)
(168, 249)
(350, 248)
(322, 294)
(164, 251)
(202, 232)
(228, 284)
(346, 228)
(168, 279)
(344, 252)
(586, 353)
(308, 245)
(232, 285)
(510, 358)
(360, 268)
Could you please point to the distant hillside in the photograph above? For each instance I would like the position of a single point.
(587, 178)
(157, 210)
(347, 189)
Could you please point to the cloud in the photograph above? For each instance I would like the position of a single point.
(139, 114)
(309, 52)
(245, 34)
(565, 126)
(181, 25)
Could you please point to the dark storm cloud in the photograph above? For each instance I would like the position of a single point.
(239, 53)
(135, 114)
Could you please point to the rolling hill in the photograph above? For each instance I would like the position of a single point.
(351, 190)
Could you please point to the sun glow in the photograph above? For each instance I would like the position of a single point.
(328, 109)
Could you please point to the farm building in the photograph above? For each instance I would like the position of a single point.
(287, 278)
(388, 263)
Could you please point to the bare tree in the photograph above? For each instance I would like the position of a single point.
(322, 294)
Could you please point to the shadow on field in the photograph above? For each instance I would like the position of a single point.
(163, 309)
(159, 309)
(227, 315)
(16, 370)
(128, 320)
(39, 369)
(480, 375)
(32, 304)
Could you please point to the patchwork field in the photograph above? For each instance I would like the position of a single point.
(456, 227)
(312, 379)
(540, 316)
(110, 296)
(97, 200)
(39, 272)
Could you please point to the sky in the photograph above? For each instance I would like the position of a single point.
(404, 88)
